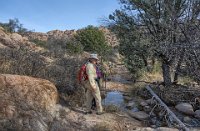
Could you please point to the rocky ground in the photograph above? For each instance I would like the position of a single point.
(32, 104)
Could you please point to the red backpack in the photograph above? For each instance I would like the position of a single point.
(82, 75)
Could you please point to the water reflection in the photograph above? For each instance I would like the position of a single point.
(114, 98)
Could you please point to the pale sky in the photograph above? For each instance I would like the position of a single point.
(46, 15)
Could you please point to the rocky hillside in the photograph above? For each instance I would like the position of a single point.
(68, 34)
(18, 55)
(14, 40)
(22, 56)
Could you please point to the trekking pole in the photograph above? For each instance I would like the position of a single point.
(105, 81)
(105, 88)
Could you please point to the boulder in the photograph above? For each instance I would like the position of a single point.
(26, 103)
(5, 39)
(130, 105)
(140, 115)
(16, 37)
(14, 40)
(23, 93)
(185, 108)
(2, 32)
(197, 114)
(187, 119)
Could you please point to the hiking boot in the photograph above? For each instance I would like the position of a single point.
(100, 113)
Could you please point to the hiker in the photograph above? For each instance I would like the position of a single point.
(99, 82)
(90, 82)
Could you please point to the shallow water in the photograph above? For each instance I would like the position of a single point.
(114, 98)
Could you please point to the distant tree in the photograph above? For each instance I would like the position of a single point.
(93, 40)
(14, 25)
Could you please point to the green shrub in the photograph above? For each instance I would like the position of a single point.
(74, 47)
(40, 43)
(93, 40)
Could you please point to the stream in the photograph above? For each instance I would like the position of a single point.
(116, 98)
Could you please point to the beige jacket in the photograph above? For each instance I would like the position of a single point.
(92, 75)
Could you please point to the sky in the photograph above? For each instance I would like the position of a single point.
(46, 15)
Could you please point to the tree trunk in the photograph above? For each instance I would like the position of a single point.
(166, 73)
(178, 68)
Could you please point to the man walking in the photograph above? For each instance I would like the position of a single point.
(93, 90)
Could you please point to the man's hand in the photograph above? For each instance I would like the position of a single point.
(94, 89)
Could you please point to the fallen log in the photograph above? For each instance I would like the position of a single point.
(182, 125)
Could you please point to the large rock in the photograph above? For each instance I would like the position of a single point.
(25, 93)
(140, 115)
(37, 36)
(26, 101)
(185, 108)
(14, 40)
(187, 119)
(197, 114)
(16, 37)
(5, 39)
(131, 104)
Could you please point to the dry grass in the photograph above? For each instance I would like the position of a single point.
(151, 77)
(186, 81)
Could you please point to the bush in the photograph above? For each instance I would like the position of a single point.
(93, 40)
(61, 46)
(74, 47)
(61, 71)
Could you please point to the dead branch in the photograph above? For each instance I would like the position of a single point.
(182, 125)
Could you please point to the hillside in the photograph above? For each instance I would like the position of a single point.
(69, 34)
